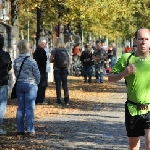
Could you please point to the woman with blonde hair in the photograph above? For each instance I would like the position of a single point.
(113, 54)
(28, 76)
(60, 72)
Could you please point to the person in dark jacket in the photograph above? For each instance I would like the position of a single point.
(60, 74)
(86, 59)
(40, 56)
(5, 66)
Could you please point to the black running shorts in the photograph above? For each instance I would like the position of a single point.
(135, 125)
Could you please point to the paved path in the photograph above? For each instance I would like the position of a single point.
(98, 124)
(101, 127)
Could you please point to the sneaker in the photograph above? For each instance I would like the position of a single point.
(43, 103)
(97, 81)
(3, 132)
(31, 134)
(67, 104)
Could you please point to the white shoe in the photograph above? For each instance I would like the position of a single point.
(44, 103)
(3, 132)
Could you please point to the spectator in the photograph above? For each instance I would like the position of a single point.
(109, 52)
(99, 56)
(104, 46)
(86, 59)
(90, 47)
(134, 48)
(40, 56)
(108, 62)
(76, 50)
(76, 55)
(26, 88)
(137, 77)
(127, 49)
(60, 74)
(113, 55)
(5, 66)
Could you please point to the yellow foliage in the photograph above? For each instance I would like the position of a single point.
(96, 16)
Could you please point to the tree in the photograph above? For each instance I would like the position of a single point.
(110, 18)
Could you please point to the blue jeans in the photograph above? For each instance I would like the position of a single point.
(61, 77)
(3, 102)
(99, 74)
(87, 72)
(26, 95)
(113, 61)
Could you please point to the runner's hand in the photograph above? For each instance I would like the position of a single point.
(130, 69)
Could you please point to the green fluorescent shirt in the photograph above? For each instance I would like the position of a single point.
(138, 83)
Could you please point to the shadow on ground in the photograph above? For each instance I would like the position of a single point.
(73, 131)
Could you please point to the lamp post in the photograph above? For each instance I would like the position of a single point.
(14, 23)
(4, 10)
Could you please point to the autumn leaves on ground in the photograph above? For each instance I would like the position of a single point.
(82, 97)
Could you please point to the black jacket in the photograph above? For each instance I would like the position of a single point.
(5, 66)
(40, 56)
(86, 55)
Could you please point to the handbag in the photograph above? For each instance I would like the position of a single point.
(13, 92)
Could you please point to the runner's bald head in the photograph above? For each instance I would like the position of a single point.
(142, 28)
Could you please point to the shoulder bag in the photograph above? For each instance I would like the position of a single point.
(13, 92)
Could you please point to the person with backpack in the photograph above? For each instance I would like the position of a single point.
(60, 58)
(5, 67)
(134, 68)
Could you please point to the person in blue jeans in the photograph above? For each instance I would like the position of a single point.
(86, 59)
(113, 55)
(26, 88)
(5, 67)
(99, 55)
(61, 77)
(60, 74)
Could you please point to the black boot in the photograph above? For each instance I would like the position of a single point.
(85, 79)
(66, 99)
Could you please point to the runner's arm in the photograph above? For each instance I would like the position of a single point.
(130, 69)
(116, 77)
